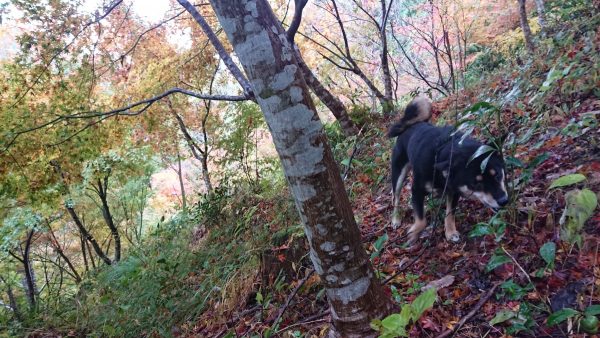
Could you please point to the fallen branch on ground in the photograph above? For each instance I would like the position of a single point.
(472, 313)
(291, 296)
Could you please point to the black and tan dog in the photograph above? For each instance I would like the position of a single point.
(442, 163)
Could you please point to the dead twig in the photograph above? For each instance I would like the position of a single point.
(291, 296)
(354, 151)
(404, 268)
(472, 313)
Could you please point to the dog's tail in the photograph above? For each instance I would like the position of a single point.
(418, 110)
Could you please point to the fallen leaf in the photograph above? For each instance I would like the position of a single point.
(441, 283)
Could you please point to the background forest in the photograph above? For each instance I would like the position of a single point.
(142, 192)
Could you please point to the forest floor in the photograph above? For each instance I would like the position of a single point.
(520, 286)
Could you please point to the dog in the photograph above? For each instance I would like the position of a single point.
(445, 163)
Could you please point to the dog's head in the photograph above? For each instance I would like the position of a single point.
(485, 184)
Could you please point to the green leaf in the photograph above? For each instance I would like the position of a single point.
(587, 200)
(481, 229)
(422, 303)
(378, 245)
(592, 310)
(259, 298)
(394, 325)
(481, 106)
(567, 180)
(502, 316)
(392, 322)
(515, 291)
(538, 160)
(482, 150)
(548, 252)
(484, 163)
(496, 261)
(560, 316)
(513, 161)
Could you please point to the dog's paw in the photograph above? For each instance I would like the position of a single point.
(453, 237)
(396, 222)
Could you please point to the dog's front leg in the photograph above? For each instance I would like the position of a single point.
(418, 201)
(452, 234)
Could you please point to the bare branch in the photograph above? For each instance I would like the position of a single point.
(299, 7)
(233, 68)
(125, 111)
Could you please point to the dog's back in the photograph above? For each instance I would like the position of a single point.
(418, 110)
(441, 163)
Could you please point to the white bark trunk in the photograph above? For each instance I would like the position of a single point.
(355, 294)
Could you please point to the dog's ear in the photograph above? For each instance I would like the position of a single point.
(443, 166)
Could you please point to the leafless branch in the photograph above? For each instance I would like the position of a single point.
(291, 32)
(233, 68)
(124, 111)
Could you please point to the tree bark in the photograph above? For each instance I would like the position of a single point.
(181, 185)
(92, 260)
(336, 106)
(101, 189)
(385, 66)
(12, 300)
(525, 25)
(86, 234)
(541, 12)
(71, 210)
(62, 254)
(84, 253)
(354, 293)
(197, 152)
(29, 282)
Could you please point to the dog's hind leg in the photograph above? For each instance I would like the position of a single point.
(450, 231)
(418, 202)
(398, 177)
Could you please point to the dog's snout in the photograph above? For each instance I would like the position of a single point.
(502, 201)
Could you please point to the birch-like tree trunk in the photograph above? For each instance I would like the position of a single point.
(541, 12)
(525, 25)
(354, 293)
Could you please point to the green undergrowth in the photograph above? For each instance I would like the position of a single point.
(555, 78)
(189, 265)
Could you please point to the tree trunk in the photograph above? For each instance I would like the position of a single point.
(181, 185)
(385, 66)
(541, 12)
(86, 234)
(92, 259)
(525, 25)
(71, 210)
(108, 219)
(354, 293)
(62, 254)
(12, 300)
(29, 278)
(198, 153)
(336, 106)
(84, 253)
